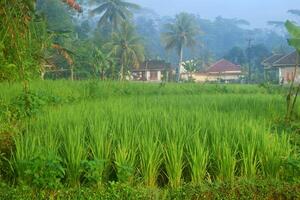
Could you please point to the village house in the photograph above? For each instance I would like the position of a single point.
(284, 65)
(153, 70)
(221, 71)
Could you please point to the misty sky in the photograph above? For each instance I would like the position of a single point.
(257, 12)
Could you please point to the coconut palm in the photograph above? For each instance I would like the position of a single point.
(126, 46)
(179, 34)
(113, 12)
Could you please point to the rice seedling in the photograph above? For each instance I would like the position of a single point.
(174, 156)
(100, 145)
(198, 157)
(151, 155)
(73, 151)
(125, 156)
(27, 148)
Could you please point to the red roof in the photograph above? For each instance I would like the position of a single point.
(224, 66)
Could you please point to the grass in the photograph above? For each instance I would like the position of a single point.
(154, 135)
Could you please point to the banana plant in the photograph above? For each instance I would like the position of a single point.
(103, 61)
(294, 41)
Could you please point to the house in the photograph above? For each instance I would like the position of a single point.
(284, 65)
(153, 70)
(221, 71)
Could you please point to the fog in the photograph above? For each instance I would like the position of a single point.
(257, 12)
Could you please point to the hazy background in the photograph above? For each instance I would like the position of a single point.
(257, 12)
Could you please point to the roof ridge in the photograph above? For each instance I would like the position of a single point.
(284, 57)
(272, 56)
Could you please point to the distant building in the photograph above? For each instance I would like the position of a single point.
(221, 71)
(153, 70)
(284, 65)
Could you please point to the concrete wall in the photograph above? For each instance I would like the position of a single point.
(286, 74)
(212, 77)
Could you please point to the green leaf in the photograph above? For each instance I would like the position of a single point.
(295, 43)
(293, 29)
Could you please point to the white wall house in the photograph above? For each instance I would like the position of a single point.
(152, 71)
(223, 70)
(285, 65)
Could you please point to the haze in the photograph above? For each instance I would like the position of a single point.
(257, 12)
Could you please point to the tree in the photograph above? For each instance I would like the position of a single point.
(191, 67)
(236, 55)
(179, 34)
(125, 45)
(256, 54)
(114, 12)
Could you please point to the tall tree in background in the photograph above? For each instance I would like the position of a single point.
(236, 55)
(256, 54)
(125, 45)
(180, 34)
(114, 12)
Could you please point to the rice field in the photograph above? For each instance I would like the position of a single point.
(89, 133)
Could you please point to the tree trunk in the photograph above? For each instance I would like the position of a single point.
(72, 73)
(122, 72)
(102, 73)
(179, 65)
(43, 75)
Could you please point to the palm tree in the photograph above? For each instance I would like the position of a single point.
(127, 48)
(113, 12)
(179, 34)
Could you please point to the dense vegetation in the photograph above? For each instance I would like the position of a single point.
(147, 136)
(117, 140)
(57, 42)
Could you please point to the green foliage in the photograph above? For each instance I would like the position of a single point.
(244, 190)
(114, 12)
(43, 172)
(125, 45)
(294, 31)
(179, 35)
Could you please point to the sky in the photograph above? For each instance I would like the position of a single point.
(257, 12)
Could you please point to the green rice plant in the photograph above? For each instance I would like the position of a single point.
(151, 157)
(198, 158)
(125, 155)
(274, 150)
(174, 157)
(27, 148)
(100, 145)
(225, 158)
(159, 134)
(249, 141)
(73, 151)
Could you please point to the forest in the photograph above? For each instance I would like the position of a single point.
(79, 44)
(73, 125)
